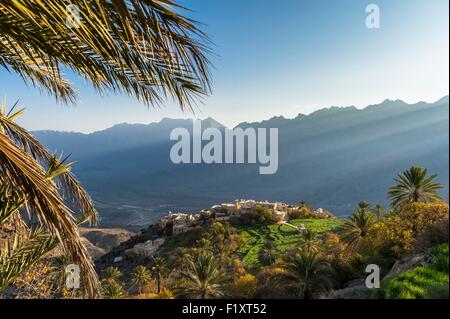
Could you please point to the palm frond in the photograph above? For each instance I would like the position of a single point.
(414, 186)
(21, 251)
(65, 181)
(27, 177)
(145, 48)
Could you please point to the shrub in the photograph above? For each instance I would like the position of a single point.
(244, 286)
(401, 229)
(259, 215)
(267, 284)
(300, 213)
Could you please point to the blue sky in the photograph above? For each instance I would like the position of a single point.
(281, 58)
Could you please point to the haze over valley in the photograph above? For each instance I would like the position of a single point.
(332, 158)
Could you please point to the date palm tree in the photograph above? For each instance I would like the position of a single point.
(306, 274)
(111, 274)
(414, 186)
(114, 290)
(145, 49)
(269, 252)
(357, 227)
(179, 258)
(158, 269)
(141, 277)
(201, 279)
(36, 189)
(310, 241)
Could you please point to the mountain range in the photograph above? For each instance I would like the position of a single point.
(332, 158)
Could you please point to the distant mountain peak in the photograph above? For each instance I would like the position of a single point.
(332, 110)
(443, 100)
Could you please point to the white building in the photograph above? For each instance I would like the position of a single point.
(146, 249)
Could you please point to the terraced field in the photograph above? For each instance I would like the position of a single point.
(284, 236)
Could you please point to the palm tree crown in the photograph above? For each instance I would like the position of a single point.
(414, 186)
(306, 273)
(111, 274)
(357, 227)
(141, 277)
(201, 278)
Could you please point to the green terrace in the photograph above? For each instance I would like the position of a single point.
(284, 236)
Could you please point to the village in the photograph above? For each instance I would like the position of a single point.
(179, 222)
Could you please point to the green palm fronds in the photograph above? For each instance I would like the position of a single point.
(111, 274)
(140, 277)
(45, 187)
(145, 48)
(414, 186)
(201, 278)
(306, 274)
(20, 252)
(357, 227)
(114, 290)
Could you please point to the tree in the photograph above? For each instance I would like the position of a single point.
(145, 49)
(201, 279)
(179, 258)
(401, 230)
(306, 274)
(165, 294)
(379, 212)
(414, 186)
(112, 274)
(357, 227)
(269, 252)
(159, 267)
(35, 183)
(364, 205)
(114, 290)
(141, 277)
(309, 237)
(244, 286)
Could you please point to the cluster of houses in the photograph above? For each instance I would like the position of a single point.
(240, 207)
(180, 222)
(183, 222)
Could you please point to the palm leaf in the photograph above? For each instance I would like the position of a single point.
(19, 253)
(142, 48)
(27, 177)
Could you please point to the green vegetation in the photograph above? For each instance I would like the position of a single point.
(424, 281)
(414, 186)
(284, 260)
(179, 240)
(146, 49)
(283, 236)
(202, 278)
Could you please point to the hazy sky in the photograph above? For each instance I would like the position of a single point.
(282, 58)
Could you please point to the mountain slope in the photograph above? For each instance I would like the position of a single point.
(332, 158)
